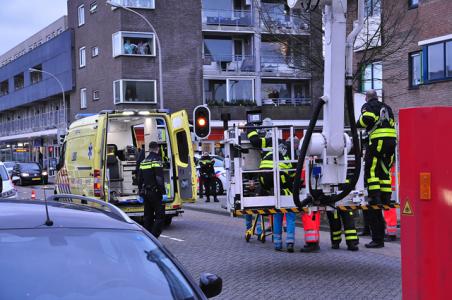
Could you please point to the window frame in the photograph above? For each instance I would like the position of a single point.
(372, 80)
(5, 92)
(16, 87)
(410, 69)
(82, 57)
(93, 6)
(122, 34)
(121, 91)
(96, 97)
(81, 15)
(425, 63)
(83, 99)
(94, 51)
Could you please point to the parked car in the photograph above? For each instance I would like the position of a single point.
(8, 190)
(29, 172)
(221, 183)
(9, 165)
(77, 251)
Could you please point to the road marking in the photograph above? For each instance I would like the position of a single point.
(171, 238)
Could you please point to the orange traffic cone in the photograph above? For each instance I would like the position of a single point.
(33, 195)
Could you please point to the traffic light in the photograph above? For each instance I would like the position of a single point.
(201, 121)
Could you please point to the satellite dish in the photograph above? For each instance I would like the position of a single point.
(292, 3)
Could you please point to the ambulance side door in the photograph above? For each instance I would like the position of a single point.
(183, 156)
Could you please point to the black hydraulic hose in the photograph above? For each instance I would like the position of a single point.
(356, 147)
(304, 149)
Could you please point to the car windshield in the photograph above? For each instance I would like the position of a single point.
(3, 173)
(27, 167)
(63, 263)
(9, 164)
(218, 162)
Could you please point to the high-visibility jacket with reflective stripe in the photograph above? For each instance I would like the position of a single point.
(370, 120)
(151, 173)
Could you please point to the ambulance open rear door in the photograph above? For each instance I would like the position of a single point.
(184, 171)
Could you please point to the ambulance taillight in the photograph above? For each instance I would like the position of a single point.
(97, 185)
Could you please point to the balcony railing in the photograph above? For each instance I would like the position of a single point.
(303, 101)
(220, 18)
(229, 64)
(280, 23)
(284, 66)
(44, 121)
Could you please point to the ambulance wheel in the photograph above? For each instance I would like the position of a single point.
(168, 220)
(247, 236)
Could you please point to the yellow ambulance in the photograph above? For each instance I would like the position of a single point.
(100, 153)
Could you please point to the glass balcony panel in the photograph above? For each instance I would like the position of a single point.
(227, 17)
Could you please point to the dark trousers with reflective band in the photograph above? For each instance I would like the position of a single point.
(209, 186)
(154, 213)
(377, 174)
(335, 218)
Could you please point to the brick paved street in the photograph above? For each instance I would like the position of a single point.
(211, 241)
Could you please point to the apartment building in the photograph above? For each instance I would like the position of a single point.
(35, 86)
(233, 55)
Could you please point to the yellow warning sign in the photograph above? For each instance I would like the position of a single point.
(407, 209)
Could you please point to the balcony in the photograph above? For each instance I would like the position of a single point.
(229, 65)
(278, 23)
(44, 121)
(280, 66)
(227, 20)
(303, 101)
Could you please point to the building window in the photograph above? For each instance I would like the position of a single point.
(93, 7)
(83, 102)
(372, 8)
(134, 91)
(438, 61)
(94, 51)
(144, 4)
(415, 68)
(82, 57)
(81, 15)
(19, 81)
(36, 76)
(413, 3)
(229, 92)
(96, 95)
(133, 43)
(372, 77)
(4, 88)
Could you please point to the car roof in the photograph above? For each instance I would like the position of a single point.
(32, 214)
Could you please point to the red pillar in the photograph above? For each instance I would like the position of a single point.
(426, 202)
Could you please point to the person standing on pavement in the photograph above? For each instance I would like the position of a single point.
(335, 218)
(266, 180)
(152, 187)
(207, 174)
(378, 120)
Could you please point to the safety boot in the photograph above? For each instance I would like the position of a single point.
(215, 200)
(352, 247)
(290, 247)
(374, 244)
(208, 199)
(335, 246)
(310, 248)
(278, 248)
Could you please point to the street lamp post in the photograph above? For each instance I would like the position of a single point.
(159, 48)
(62, 91)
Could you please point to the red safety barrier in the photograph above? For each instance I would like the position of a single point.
(33, 195)
(426, 202)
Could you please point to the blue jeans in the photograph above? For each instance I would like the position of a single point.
(249, 223)
(277, 229)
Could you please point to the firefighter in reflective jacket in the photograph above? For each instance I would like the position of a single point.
(266, 180)
(351, 236)
(207, 176)
(378, 120)
(151, 186)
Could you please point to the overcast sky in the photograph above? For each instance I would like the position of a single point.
(20, 19)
